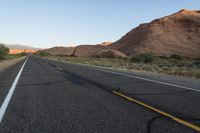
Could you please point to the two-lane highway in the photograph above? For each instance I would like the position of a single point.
(56, 97)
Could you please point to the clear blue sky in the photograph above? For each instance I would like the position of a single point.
(46, 23)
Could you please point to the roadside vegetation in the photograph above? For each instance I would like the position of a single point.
(143, 57)
(6, 59)
(173, 65)
(42, 54)
(4, 53)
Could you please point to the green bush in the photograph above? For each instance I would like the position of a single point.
(23, 54)
(196, 74)
(3, 51)
(197, 63)
(43, 53)
(176, 56)
(163, 57)
(143, 57)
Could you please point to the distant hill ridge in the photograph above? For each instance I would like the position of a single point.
(20, 47)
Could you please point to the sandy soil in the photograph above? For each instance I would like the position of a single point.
(7, 63)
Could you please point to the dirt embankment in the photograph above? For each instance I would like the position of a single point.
(4, 64)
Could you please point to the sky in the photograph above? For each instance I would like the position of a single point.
(47, 23)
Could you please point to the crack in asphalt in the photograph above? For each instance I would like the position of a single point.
(150, 122)
(75, 76)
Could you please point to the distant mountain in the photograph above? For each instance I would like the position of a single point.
(20, 47)
(178, 33)
(17, 49)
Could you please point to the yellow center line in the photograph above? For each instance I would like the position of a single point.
(188, 124)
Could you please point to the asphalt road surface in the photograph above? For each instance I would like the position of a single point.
(56, 97)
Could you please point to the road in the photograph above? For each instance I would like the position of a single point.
(57, 97)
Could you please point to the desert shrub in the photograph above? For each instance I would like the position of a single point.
(23, 54)
(196, 73)
(3, 51)
(197, 63)
(176, 56)
(143, 57)
(163, 57)
(43, 53)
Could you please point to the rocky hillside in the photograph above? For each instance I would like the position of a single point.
(86, 50)
(68, 51)
(178, 33)
(99, 50)
(108, 53)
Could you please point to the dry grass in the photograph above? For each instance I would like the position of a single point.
(6, 63)
(196, 74)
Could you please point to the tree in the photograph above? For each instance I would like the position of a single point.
(3, 51)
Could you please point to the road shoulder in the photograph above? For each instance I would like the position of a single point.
(171, 79)
(5, 64)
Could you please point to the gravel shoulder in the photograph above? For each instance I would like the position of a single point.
(4, 64)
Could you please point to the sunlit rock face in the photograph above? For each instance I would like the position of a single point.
(178, 33)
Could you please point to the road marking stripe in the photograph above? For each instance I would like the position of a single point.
(188, 124)
(59, 68)
(146, 79)
(10, 93)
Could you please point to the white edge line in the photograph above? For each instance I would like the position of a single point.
(59, 68)
(137, 77)
(131, 76)
(10, 93)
